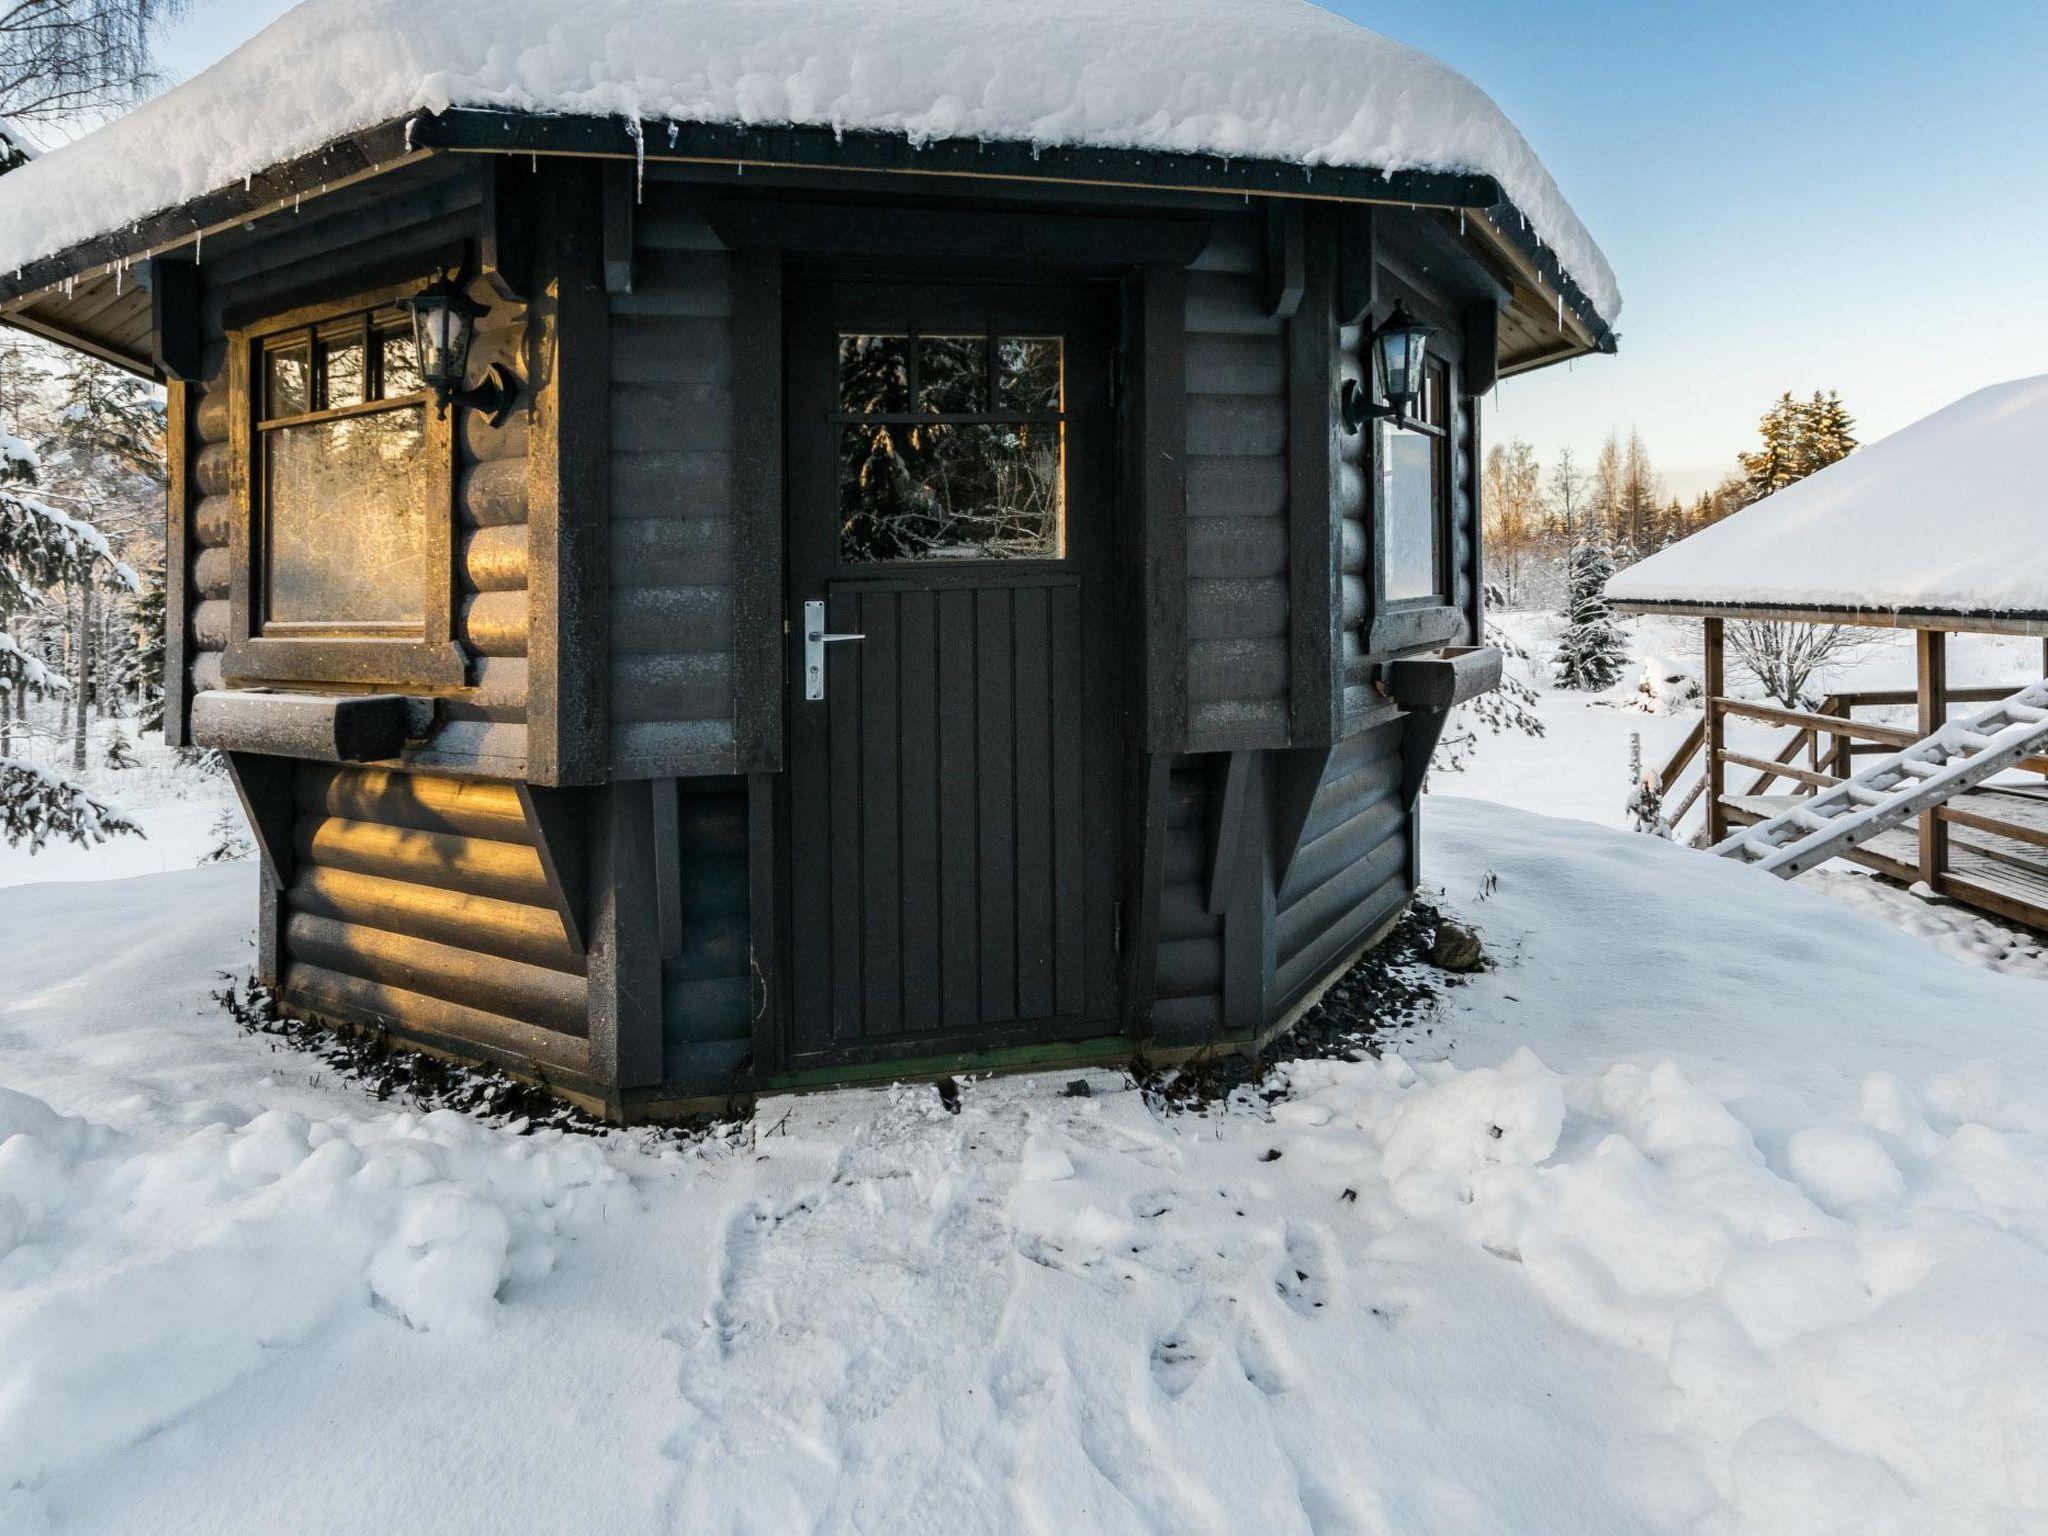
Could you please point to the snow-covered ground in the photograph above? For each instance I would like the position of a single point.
(1718, 1205)
(177, 807)
(1725, 1210)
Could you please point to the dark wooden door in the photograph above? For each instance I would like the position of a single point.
(952, 796)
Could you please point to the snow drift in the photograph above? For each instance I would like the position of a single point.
(1259, 79)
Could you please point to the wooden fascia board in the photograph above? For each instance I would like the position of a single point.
(1954, 621)
(343, 163)
(740, 144)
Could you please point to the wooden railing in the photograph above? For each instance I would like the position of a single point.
(1820, 749)
(1998, 869)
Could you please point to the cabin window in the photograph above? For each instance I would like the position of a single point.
(1415, 467)
(346, 481)
(951, 447)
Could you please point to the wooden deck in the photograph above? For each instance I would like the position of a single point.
(2002, 871)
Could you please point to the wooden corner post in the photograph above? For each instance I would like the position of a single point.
(1715, 680)
(1930, 654)
(568, 484)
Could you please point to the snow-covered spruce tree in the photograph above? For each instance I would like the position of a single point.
(103, 448)
(145, 670)
(1645, 805)
(1591, 652)
(40, 546)
(1830, 431)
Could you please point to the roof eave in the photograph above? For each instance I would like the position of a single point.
(1976, 621)
(389, 145)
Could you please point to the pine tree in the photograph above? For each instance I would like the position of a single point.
(119, 754)
(40, 546)
(145, 670)
(1830, 434)
(103, 447)
(1591, 652)
(1782, 457)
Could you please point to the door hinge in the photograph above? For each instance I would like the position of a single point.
(1116, 918)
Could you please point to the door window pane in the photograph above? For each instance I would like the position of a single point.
(874, 373)
(347, 517)
(928, 470)
(952, 374)
(963, 492)
(1028, 374)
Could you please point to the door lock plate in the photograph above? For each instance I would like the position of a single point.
(815, 641)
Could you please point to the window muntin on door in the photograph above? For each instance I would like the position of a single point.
(952, 446)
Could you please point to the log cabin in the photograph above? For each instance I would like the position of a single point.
(817, 545)
(1935, 529)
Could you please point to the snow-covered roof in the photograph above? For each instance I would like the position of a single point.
(1275, 80)
(1947, 515)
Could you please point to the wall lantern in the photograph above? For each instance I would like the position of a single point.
(443, 326)
(1399, 345)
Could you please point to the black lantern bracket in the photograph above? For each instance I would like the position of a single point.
(1355, 408)
(494, 395)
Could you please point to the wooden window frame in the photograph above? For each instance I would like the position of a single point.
(427, 659)
(1427, 619)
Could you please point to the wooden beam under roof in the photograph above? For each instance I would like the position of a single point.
(1952, 620)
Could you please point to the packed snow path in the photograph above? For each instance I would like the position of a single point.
(1726, 1212)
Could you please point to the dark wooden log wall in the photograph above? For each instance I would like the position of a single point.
(672, 496)
(420, 903)
(1237, 606)
(1187, 995)
(210, 522)
(486, 729)
(1349, 871)
(706, 979)
(1352, 493)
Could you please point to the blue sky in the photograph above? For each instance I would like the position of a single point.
(1809, 194)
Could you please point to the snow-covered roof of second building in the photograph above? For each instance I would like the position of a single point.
(1278, 80)
(1946, 515)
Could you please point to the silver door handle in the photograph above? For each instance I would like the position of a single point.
(816, 639)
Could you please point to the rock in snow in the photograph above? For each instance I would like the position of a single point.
(1249, 79)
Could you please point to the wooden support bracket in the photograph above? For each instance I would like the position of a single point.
(505, 229)
(1357, 272)
(1229, 838)
(1293, 777)
(1482, 348)
(1286, 259)
(556, 819)
(619, 193)
(174, 289)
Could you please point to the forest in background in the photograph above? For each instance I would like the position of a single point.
(1535, 514)
(95, 435)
